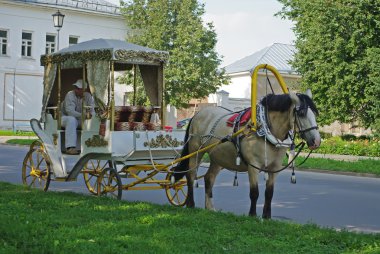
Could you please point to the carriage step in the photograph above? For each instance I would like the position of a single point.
(64, 179)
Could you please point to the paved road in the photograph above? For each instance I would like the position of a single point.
(324, 199)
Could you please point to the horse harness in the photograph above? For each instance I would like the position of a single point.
(263, 130)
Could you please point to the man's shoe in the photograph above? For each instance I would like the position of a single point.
(72, 151)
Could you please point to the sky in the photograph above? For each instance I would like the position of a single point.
(245, 26)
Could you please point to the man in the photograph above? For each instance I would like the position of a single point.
(72, 114)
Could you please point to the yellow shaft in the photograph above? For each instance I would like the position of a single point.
(254, 88)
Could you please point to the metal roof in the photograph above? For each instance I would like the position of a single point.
(89, 5)
(278, 55)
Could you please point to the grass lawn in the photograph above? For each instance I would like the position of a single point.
(17, 133)
(360, 166)
(33, 221)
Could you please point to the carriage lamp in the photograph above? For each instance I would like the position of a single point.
(58, 23)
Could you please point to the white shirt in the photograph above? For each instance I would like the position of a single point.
(72, 105)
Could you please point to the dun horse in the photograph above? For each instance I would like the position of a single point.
(282, 114)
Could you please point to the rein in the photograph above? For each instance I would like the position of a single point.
(302, 144)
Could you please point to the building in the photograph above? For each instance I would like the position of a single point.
(237, 95)
(27, 32)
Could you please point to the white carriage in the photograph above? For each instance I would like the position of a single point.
(119, 147)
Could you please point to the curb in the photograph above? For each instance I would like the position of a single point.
(345, 173)
(340, 157)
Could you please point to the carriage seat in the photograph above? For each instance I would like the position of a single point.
(137, 118)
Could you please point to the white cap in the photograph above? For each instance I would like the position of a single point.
(78, 83)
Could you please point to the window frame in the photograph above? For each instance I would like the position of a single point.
(27, 45)
(74, 37)
(4, 43)
(50, 47)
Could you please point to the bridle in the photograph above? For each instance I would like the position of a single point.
(299, 112)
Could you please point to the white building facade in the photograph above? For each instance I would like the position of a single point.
(27, 32)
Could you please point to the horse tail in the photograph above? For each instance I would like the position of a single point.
(181, 169)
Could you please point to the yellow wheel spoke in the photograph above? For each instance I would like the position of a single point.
(178, 201)
(184, 194)
(39, 162)
(32, 182)
(31, 161)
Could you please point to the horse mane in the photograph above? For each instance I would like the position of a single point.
(282, 102)
(277, 102)
(306, 101)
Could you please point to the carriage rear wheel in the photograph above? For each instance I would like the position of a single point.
(177, 192)
(109, 184)
(91, 172)
(36, 169)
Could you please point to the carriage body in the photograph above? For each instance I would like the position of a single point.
(117, 136)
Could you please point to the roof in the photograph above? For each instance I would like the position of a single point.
(89, 5)
(98, 44)
(107, 49)
(278, 55)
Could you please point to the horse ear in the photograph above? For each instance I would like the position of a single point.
(308, 93)
(294, 97)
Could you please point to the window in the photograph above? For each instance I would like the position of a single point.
(73, 40)
(50, 44)
(3, 42)
(26, 46)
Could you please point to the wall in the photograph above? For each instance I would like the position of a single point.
(21, 78)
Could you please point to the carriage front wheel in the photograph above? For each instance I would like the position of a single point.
(91, 172)
(36, 169)
(109, 184)
(177, 192)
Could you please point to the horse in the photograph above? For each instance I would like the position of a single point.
(284, 113)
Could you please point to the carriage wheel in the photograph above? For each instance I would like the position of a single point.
(36, 169)
(91, 172)
(109, 184)
(36, 144)
(177, 192)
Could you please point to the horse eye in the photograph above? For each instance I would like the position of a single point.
(301, 112)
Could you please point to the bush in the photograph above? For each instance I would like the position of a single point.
(337, 145)
(325, 135)
(348, 137)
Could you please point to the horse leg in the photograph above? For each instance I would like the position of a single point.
(210, 176)
(253, 190)
(190, 189)
(267, 210)
(190, 176)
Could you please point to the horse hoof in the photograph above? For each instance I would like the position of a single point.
(293, 179)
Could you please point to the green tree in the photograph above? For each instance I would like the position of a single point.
(176, 26)
(338, 56)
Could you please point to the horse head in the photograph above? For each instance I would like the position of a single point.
(305, 113)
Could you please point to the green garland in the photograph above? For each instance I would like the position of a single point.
(106, 54)
(82, 56)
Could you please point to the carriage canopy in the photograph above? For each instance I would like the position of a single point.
(98, 59)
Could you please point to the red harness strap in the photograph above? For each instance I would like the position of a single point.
(243, 119)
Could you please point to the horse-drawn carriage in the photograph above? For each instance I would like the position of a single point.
(118, 142)
(122, 150)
